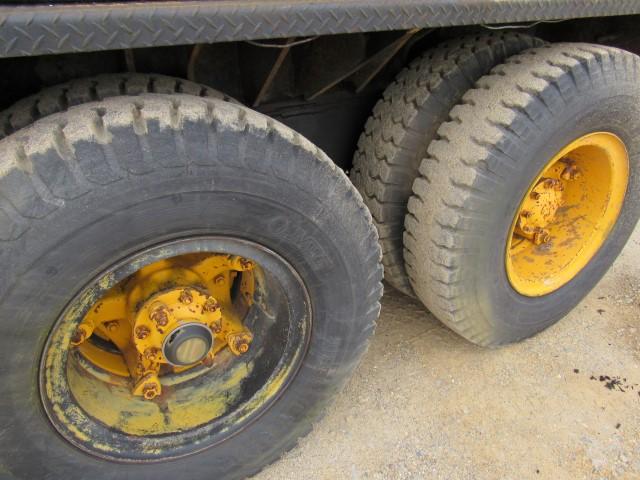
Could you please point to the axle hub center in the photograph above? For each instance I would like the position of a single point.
(187, 344)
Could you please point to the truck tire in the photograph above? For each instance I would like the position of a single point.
(529, 193)
(405, 121)
(84, 90)
(88, 196)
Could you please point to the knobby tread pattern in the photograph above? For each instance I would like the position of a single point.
(404, 122)
(49, 29)
(455, 179)
(81, 146)
(59, 98)
(27, 196)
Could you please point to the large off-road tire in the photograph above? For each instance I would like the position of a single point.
(83, 190)
(570, 102)
(92, 89)
(405, 121)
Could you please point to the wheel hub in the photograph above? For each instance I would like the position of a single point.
(173, 314)
(539, 209)
(567, 214)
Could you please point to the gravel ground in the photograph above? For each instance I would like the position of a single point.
(424, 403)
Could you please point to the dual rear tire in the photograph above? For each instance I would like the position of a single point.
(474, 176)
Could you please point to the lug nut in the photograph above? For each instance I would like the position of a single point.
(160, 315)
(541, 236)
(571, 172)
(151, 354)
(246, 263)
(185, 297)
(239, 342)
(211, 305)
(551, 183)
(112, 326)
(219, 279)
(150, 391)
(525, 214)
(78, 336)
(142, 332)
(535, 195)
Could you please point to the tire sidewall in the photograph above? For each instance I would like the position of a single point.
(59, 254)
(511, 315)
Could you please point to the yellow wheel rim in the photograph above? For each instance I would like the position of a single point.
(567, 214)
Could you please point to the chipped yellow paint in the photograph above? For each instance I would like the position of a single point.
(567, 214)
(187, 406)
(95, 379)
(127, 314)
(199, 404)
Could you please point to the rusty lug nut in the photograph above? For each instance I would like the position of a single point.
(150, 391)
(186, 296)
(216, 327)
(246, 263)
(241, 344)
(219, 279)
(551, 183)
(78, 336)
(570, 173)
(526, 229)
(151, 354)
(541, 236)
(112, 326)
(525, 214)
(535, 195)
(142, 332)
(210, 305)
(160, 315)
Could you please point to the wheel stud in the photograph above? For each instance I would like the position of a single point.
(541, 236)
(150, 391)
(79, 336)
(552, 183)
(112, 326)
(151, 354)
(211, 305)
(142, 332)
(246, 264)
(571, 172)
(239, 342)
(160, 315)
(186, 297)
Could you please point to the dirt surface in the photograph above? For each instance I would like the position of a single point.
(425, 403)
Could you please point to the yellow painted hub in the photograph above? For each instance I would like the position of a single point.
(142, 314)
(567, 214)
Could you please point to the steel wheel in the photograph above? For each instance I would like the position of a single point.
(106, 394)
(567, 213)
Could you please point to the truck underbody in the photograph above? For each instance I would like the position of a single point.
(188, 275)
